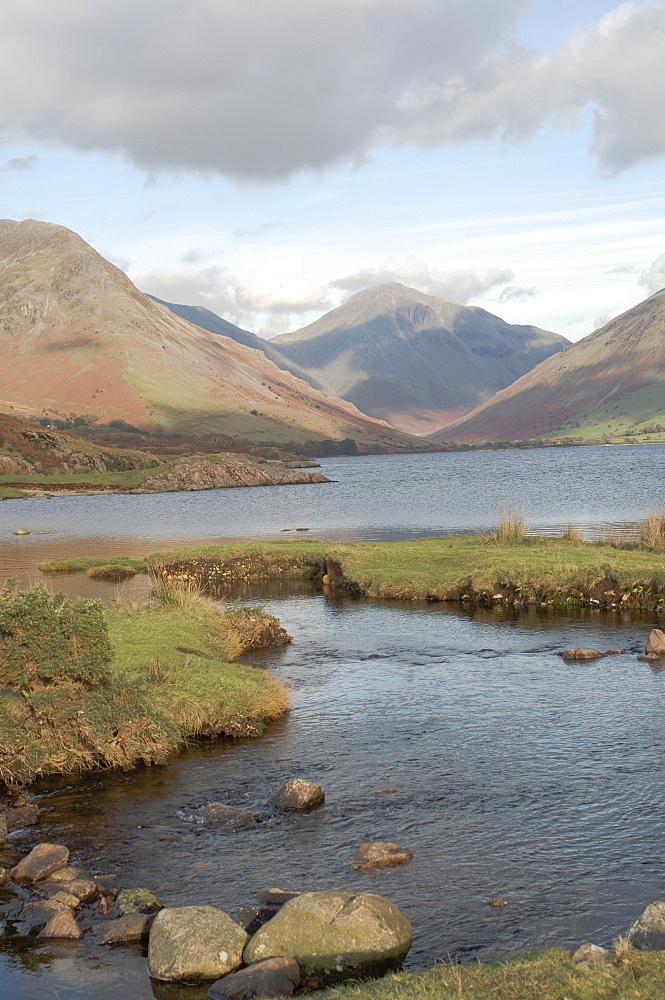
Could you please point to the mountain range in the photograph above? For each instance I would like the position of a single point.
(414, 360)
(611, 383)
(78, 338)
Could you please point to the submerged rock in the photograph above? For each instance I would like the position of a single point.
(656, 642)
(43, 860)
(298, 795)
(194, 942)
(274, 977)
(592, 956)
(581, 654)
(497, 901)
(20, 816)
(33, 916)
(219, 815)
(335, 936)
(648, 931)
(380, 854)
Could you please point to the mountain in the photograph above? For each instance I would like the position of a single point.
(415, 360)
(610, 383)
(78, 338)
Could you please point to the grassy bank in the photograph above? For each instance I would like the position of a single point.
(85, 687)
(531, 570)
(542, 975)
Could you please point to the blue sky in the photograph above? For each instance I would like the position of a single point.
(500, 153)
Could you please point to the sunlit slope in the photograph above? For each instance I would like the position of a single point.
(414, 360)
(610, 383)
(76, 336)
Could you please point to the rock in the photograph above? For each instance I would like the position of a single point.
(581, 654)
(3, 828)
(613, 652)
(649, 657)
(648, 931)
(66, 899)
(22, 816)
(380, 854)
(21, 531)
(592, 956)
(335, 936)
(34, 916)
(299, 795)
(4, 876)
(274, 977)
(253, 917)
(131, 927)
(84, 890)
(656, 642)
(277, 897)
(67, 874)
(43, 860)
(136, 901)
(497, 901)
(194, 942)
(220, 815)
(62, 925)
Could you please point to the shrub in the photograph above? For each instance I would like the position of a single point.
(48, 638)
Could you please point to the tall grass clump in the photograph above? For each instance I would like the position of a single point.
(510, 529)
(652, 530)
(572, 535)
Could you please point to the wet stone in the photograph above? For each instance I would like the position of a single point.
(62, 925)
(581, 654)
(276, 897)
(131, 927)
(4, 829)
(34, 916)
(253, 917)
(274, 977)
(66, 899)
(67, 874)
(219, 815)
(43, 860)
(136, 901)
(84, 890)
(380, 854)
(299, 795)
(21, 816)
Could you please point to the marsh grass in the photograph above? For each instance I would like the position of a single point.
(572, 535)
(510, 528)
(540, 975)
(652, 530)
(80, 564)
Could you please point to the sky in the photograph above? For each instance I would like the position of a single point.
(269, 158)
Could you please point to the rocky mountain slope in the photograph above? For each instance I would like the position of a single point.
(76, 336)
(611, 383)
(411, 359)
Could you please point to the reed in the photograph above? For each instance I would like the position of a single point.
(510, 528)
(652, 530)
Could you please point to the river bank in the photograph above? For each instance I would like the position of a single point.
(475, 569)
(88, 687)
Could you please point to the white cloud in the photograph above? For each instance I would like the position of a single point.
(270, 303)
(457, 286)
(262, 90)
(654, 276)
(515, 293)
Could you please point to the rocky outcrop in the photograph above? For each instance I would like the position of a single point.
(225, 471)
(194, 942)
(298, 795)
(335, 936)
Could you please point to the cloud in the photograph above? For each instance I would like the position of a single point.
(263, 228)
(22, 163)
(147, 213)
(269, 303)
(262, 92)
(517, 293)
(458, 286)
(654, 276)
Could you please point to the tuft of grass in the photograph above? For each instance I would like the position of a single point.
(114, 572)
(510, 529)
(571, 534)
(652, 530)
(80, 564)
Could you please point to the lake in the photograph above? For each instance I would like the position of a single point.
(509, 772)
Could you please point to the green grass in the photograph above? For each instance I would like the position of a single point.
(127, 480)
(79, 564)
(170, 679)
(541, 975)
(550, 570)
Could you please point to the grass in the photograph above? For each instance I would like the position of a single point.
(81, 564)
(511, 527)
(543, 975)
(463, 567)
(652, 530)
(171, 679)
(125, 480)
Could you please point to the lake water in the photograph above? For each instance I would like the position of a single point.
(510, 772)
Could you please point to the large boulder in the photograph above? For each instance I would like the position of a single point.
(656, 642)
(194, 942)
(335, 936)
(298, 795)
(648, 931)
(274, 977)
